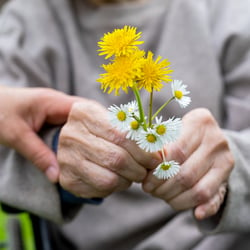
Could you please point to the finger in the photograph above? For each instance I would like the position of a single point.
(101, 127)
(151, 182)
(55, 109)
(89, 180)
(100, 152)
(190, 173)
(202, 192)
(189, 146)
(211, 207)
(27, 143)
(59, 107)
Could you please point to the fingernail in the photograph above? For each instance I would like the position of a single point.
(200, 214)
(52, 173)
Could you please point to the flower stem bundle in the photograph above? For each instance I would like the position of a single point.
(130, 67)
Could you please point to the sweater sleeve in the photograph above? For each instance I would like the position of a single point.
(232, 42)
(31, 55)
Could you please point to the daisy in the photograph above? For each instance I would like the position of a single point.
(120, 117)
(120, 42)
(133, 108)
(154, 73)
(168, 130)
(121, 73)
(179, 92)
(134, 130)
(149, 141)
(166, 170)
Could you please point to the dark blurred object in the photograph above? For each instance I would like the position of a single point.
(2, 2)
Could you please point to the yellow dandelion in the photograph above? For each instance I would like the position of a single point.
(121, 73)
(154, 73)
(120, 42)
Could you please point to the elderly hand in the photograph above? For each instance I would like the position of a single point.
(95, 158)
(206, 163)
(23, 111)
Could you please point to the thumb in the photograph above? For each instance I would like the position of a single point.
(57, 107)
(28, 144)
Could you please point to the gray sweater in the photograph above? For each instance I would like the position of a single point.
(53, 43)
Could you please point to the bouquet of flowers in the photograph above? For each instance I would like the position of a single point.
(130, 67)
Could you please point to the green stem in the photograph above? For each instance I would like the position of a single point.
(162, 107)
(140, 106)
(163, 155)
(150, 109)
(136, 118)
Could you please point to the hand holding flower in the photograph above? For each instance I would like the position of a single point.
(206, 163)
(96, 159)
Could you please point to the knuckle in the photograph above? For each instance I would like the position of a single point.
(66, 182)
(141, 175)
(207, 118)
(214, 207)
(69, 142)
(230, 160)
(65, 136)
(71, 182)
(109, 184)
(203, 113)
(116, 137)
(203, 116)
(65, 140)
(62, 158)
(84, 108)
(201, 194)
(186, 181)
(77, 111)
(125, 185)
(228, 164)
(115, 160)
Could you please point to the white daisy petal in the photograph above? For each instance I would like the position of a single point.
(132, 107)
(119, 117)
(179, 92)
(167, 170)
(134, 130)
(149, 141)
(185, 101)
(168, 130)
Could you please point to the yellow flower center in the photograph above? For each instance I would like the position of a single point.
(151, 138)
(134, 125)
(121, 116)
(178, 94)
(161, 130)
(165, 167)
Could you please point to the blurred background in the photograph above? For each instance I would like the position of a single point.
(15, 229)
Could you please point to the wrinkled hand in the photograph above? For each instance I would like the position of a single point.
(23, 111)
(206, 163)
(96, 159)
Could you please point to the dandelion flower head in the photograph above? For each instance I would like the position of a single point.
(121, 73)
(154, 72)
(120, 42)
